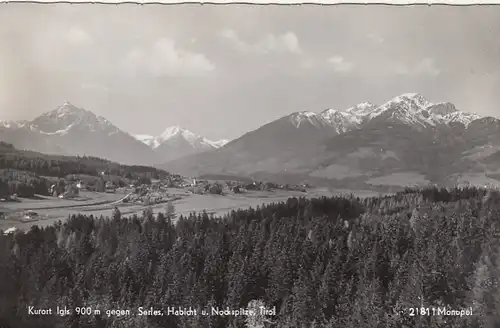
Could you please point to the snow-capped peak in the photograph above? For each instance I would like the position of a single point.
(176, 132)
(361, 109)
(364, 105)
(67, 108)
(170, 132)
(304, 115)
(298, 118)
(417, 98)
(67, 117)
(148, 140)
(461, 117)
(409, 108)
(67, 105)
(330, 112)
(414, 109)
(409, 102)
(413, 96)
(341, 121)
(218, 144)
(332, 115)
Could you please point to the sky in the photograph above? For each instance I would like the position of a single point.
(222, 70)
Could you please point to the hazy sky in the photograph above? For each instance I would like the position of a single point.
(223, 70)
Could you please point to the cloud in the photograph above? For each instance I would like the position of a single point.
(165, 58)
(340, 64)
(77, 36)
(307, 64)
(375, 38)
(287, 42)
(426, 66)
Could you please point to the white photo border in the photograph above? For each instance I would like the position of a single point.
(274, 2)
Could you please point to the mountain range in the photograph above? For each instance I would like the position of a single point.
(407, 140)
(70, 130)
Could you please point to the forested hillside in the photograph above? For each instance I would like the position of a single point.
(329, 262)
(25, 172)
(60, 166)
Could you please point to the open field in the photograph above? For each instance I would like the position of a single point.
(52, 209)
(48, 202)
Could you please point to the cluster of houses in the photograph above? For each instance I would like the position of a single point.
(72, 189)
(174, 181)
(212, 187)
(65, 191)
(265, 186)
(158, 192)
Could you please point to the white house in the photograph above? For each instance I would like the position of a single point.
(72, 191)
(80, 185)
(10, 230)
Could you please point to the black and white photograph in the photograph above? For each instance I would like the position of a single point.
(249, 166)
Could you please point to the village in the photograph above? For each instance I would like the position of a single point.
(160, 191)
(99, 196)
(154, 192)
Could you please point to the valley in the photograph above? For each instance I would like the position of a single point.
(48, 210)
(365, 149)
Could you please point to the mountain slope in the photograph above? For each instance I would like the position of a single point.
(262, 149)
(25, 137)
(69, 130)
(176, 142)
(432, 142)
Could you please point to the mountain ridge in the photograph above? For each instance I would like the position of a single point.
(72, 130)
(359, 145)
(410, 107)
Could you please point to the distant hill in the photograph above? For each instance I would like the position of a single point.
(60, 166)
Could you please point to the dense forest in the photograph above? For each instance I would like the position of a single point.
(22, 183)
(322, 263)
(25, 172)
